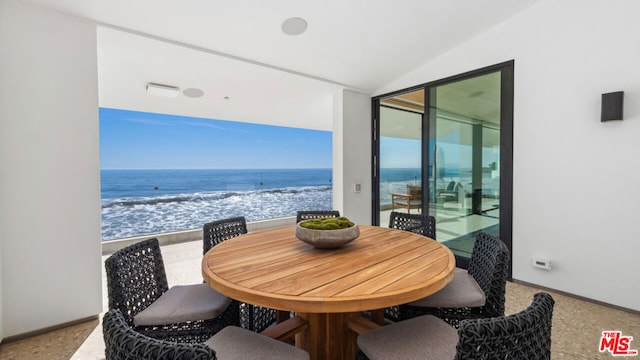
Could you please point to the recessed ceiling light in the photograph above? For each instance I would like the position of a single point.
(162, 90)
(294, 26)
(193, 92)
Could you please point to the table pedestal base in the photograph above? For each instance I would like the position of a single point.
(328, 336)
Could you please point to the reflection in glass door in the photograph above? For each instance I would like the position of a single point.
(464, 146)
(401, 154)
(456, 148)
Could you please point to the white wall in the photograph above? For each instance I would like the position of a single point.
(352, 155)
(49, 178)
(576, 180)
(1, 269)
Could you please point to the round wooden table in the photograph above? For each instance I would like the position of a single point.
(381, 268)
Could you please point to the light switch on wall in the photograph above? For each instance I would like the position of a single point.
(356, 188)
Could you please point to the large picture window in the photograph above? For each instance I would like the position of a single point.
(164, 173)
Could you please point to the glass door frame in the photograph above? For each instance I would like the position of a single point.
(506, 70)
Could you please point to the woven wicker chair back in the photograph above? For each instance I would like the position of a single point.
(489, 265)
(124, 343)
(215, 232)
(418, 223)
(252, 317)
(135, 277)
(315, 214)
(525, 335)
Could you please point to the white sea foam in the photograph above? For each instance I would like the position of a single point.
(135, 216)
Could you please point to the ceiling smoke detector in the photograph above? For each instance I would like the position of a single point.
(294, 26)
(162, 90)
(193, 92)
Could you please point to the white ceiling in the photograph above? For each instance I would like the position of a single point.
(237, 49)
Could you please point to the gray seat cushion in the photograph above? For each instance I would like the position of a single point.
(462, 291)
(183, 303)
(423, 337)
(234, 343)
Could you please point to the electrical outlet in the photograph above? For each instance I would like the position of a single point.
(356, 188)
(542, 263)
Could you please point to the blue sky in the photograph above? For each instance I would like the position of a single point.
(399, 153)
(405, 153)
(139, 140)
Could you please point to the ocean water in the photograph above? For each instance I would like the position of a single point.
(144, 202)
(395, 180)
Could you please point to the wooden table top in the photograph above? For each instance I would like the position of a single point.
(381, 268)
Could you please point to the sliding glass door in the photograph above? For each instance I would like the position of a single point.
(464, 145)
(452, 139)
(400, 157)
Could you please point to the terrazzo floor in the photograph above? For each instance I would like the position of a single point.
(576, 330)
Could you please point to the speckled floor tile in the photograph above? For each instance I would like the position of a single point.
(576, 330)
(56, 344)
(577, 325)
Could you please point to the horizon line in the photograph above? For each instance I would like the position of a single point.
(275, 168)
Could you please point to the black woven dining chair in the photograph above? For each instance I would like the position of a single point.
(252, 317)
(215, 232)
(315, 214)
(418, 223)
(478, 292)
(524, 335)
(122, 342)
(137, 287)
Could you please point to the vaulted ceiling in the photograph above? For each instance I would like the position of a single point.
(249, 70)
